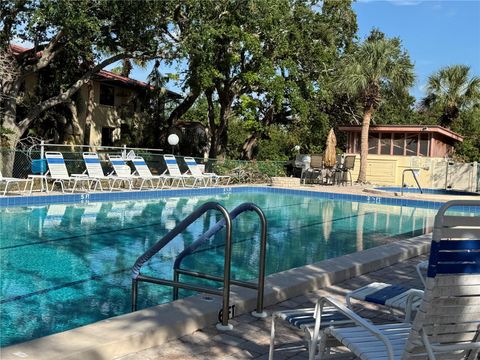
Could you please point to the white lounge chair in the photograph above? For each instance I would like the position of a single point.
(10, 180)
(121, 169)
(175, 173)
(447, 325)
(95, 171)
(196, 171)
(57, 171)
(142, 170)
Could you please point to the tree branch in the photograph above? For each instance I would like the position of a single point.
(64, 96)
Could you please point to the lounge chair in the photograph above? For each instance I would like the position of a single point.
(95, 171)
(196, 171)
(175, 173)
(57, 171)
(447, 325)
(122, 170)
(9, 180)
(142, 170)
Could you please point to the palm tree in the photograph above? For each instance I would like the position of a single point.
(377, 65)
(451, 90)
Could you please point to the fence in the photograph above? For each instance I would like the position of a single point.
(18, 163)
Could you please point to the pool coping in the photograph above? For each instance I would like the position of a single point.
(129, 333)
(85, 198)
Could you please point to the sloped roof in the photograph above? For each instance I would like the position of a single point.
(105, 74)
(406, 128)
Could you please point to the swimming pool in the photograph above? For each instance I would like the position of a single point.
(427, 191)
(67, 265)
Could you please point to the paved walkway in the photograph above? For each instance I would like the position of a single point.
(250, 337)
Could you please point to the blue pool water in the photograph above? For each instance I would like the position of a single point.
(67, 265)
(427, 191)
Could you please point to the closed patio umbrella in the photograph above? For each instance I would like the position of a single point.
(330, 157)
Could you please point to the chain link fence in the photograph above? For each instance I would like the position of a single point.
(21, 163)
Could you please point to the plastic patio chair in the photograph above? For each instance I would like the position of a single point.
(10, 180)
(196, 171)
(175, 173)
(142, 170)
(95, 171)
(447, 325)
(57, 171)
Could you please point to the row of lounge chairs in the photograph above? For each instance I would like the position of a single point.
(95, 178)
(446, 324)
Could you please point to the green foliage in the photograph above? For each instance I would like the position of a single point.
(450, 91)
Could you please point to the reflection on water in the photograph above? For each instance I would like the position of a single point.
(66, 265)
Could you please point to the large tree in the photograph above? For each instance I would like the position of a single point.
(84, 30)
(267, 53)
(451, 90)
(377, 66)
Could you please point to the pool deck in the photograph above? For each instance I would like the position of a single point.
(250, 337)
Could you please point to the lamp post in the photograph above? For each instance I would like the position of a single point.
(173, 140)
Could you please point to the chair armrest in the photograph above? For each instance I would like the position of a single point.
(411, 297)
(358, 320)
(421, 267)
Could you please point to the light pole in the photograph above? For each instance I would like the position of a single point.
(173, 140)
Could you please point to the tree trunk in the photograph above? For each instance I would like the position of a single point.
(212, 127)
(249, 146)
(222, 133)
(367, 116)
(7, 153)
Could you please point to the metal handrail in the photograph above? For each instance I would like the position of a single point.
(259, 312)
(137, 276)
(414, 177)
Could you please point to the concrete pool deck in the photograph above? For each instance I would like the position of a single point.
(250, 337)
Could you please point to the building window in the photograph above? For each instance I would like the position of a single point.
(423, 151)
(107, 136)
(107, 95)
(398, 144)
(373, 143)
(385, 144)
(411, 144)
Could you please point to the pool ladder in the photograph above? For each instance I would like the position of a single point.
(414, 173)
(226, 222)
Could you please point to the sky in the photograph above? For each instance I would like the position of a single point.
(436, 33)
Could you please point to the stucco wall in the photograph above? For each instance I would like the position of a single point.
(387, 170)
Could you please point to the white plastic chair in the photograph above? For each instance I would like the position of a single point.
(9, 180)
(208, 177)
(57, 171)
(142, 170)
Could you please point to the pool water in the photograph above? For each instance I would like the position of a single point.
(67, 265)
(427, 191)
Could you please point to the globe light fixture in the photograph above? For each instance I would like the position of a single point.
(173, 140)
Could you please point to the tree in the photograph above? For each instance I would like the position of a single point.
(450, 91)
(378, 65)
(269, 54)
(83, 30)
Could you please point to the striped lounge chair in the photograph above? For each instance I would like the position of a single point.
(447, 324)
(208, 177)
(57, 171)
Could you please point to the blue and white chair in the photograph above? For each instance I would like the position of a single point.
(57, 171)
(122, 170)
(142, 170)
(447, 324)
(208, 177)
(175, 174)
(95, 171)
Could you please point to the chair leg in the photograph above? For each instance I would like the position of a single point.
(272, 339)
